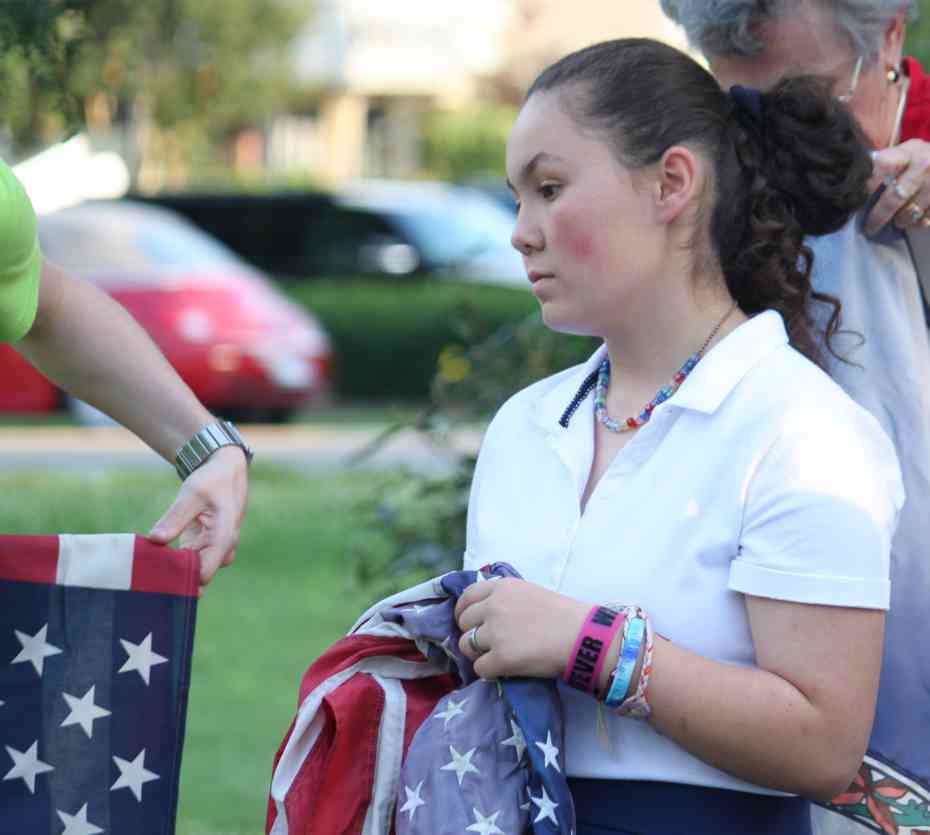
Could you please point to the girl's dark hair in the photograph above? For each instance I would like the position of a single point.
(787, 163)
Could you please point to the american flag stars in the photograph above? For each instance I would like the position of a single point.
(83, 712)
(96, 642)
(550, 752)
(414, 801)
(78, 824)
(27, 766)
(461, 764)
(35, 649)
(139, 657)
(452, 709)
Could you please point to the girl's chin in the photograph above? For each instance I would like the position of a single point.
(560, 322)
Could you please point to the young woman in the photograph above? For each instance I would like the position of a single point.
(712, 567)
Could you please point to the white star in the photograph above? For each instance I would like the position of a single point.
(546, 806)
(35, 649)
(78, 824)
(517, 741)
(461, 764)
(26, 765)
(550, 752)
(140, 657)
(453, 709)
(133, 775)
(485, 825)
(84, 712)
(414, 801)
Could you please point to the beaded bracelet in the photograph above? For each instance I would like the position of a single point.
(622, 675)
(589, 652)
(637, 705)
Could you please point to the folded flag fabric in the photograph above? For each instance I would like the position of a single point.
(395, 736)
(96, 637)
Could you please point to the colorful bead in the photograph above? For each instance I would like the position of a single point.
(603, 379)
(600, 396)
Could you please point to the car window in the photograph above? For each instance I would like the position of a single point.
(127, 241)
(334, 244)
(457, 229)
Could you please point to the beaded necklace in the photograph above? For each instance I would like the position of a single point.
(603, 378)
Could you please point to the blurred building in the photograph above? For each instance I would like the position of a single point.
(541, 31)
(375, 67)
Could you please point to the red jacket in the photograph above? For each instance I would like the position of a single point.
(916, 124)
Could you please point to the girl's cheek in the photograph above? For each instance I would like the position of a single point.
(576, 237)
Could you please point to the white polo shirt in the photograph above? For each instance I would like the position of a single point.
(759, 476)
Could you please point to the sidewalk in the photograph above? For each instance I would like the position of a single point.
(309, 448)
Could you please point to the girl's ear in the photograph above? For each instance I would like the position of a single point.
(678, 182)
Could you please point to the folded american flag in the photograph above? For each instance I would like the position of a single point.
(96, 636)
(388, 740)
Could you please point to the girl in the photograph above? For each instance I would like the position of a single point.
(712, 566)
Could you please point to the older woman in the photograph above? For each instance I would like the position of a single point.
(868, 265)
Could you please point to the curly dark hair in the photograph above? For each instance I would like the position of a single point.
(792, 163)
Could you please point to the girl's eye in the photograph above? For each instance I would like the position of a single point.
(548, 191)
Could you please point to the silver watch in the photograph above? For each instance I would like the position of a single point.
(204, 443)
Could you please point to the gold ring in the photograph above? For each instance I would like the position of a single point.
(925, 221)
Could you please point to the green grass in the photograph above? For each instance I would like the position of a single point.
(260, 623)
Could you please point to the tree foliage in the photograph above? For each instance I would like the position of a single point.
(201, 66)
(918, 36)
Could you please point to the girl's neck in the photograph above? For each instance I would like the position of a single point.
(651, 344)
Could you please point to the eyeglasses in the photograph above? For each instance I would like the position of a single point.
(853, 82)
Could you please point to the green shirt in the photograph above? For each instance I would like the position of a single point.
(20, 259)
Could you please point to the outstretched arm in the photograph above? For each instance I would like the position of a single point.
(89, 345)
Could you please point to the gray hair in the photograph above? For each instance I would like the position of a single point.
(720, 28)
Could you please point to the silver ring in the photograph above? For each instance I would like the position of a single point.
(473, 641)
(902, 193)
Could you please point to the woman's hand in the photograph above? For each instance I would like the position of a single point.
(905, 172)
(208, 511)
(523, 629)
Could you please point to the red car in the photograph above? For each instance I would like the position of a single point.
(240, 344)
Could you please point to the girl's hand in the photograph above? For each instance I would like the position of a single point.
(523, 629)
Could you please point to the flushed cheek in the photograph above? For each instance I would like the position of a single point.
(575, 238)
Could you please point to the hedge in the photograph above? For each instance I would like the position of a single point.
(388, 335)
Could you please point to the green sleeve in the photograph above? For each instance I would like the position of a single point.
(20, 259)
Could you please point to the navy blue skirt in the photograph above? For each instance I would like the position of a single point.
(642, 807)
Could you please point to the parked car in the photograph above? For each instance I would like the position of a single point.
(241, 345)
(371, 228)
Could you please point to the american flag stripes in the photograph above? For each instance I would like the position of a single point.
(96, 635)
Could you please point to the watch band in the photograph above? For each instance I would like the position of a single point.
(204, 443)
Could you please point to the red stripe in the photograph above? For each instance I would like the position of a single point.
(29, 559)
(351, 650)
(165, 570)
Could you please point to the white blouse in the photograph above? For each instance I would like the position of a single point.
(759, 476)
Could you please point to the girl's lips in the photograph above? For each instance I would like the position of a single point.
(535, 275)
